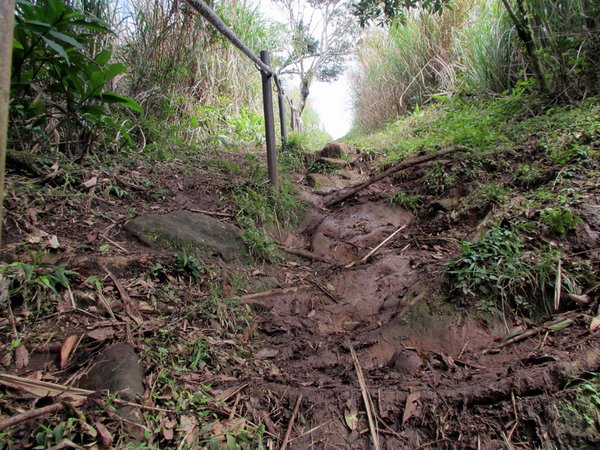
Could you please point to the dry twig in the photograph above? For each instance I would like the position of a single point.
(385, 241)
(366, 399)
(291, 424)
(38, 412)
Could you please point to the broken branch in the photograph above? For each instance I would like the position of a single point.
(33, 413)
(339, 197)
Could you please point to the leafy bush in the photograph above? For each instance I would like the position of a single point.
(59, 80)
(405, 199)
(35, 284)
(560, 219)
(497, 271)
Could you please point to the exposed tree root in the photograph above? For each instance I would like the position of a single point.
(345, 194)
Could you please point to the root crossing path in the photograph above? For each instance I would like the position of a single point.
(360, 350)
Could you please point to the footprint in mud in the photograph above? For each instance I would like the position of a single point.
(348, 233)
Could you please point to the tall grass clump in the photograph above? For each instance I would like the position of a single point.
(567, 37)
(194, 84)
(404, 65)
(486, 49)
(474, 48)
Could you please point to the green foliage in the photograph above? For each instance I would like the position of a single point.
(438, 179)
(60, 81)
(389, 11)
(262, 203)
(406, 200)
(473, 47)
(292, 156)
(248, 126)
(259, 244)
(185, 266)
(582, 412)
(35, 283)
(499, 274)
(560, 219)
(322, 167)
(488, 194)
(259, 205)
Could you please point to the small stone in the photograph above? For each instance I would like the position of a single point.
(406, 362)
(334, 150)
(118, 371)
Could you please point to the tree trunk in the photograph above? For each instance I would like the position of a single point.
(524, 32)
(305, 83)
(7, 17)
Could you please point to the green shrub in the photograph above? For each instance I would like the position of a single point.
(497, 272)
(60, 79)
(36, 284)
(405, 199)
(560, 219)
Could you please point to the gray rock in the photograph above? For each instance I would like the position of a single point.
(118, 371)
(187, 230)
(334, 150)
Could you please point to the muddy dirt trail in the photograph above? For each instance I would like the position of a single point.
(429, 375)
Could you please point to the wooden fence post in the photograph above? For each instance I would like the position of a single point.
(269, 121)
(7, 18)
(282, 117)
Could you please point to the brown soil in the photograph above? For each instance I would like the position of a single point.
(437, 376)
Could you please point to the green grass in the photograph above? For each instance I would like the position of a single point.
(260, 207)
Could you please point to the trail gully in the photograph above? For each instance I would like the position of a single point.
(435, 377)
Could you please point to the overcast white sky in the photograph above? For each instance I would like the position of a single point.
(332, 101)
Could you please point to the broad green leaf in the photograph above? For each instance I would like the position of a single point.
(113, 70)
(57, 48)
(111, 97)
(17, 45)
(32, 24)
(90, 25)
(103, 57)
(67, 39)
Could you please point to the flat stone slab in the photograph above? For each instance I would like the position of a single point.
(118, 371)
(196, 232)
(325, 184)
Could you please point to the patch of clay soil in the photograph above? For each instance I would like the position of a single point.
(436, 377)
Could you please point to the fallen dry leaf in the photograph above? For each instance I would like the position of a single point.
(67, 349)
(21, 357)
(351, 418)
(105, 437)
(188, 425)
(168, 426)
(411, 406)
(90, 183)
(101, 334)
(595, 323)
